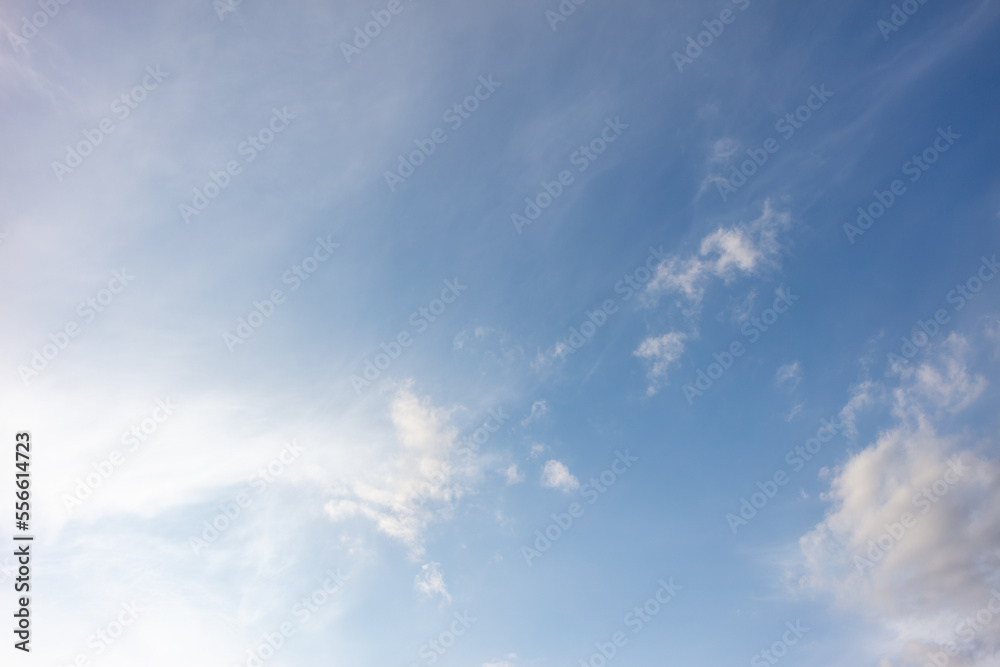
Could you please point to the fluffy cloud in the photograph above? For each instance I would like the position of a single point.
(430, 582)
(556, 475)
(513, 474)
(662, 351)
(727, 253)
(913, 536)
(417, 481)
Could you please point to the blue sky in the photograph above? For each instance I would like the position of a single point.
(657, 319)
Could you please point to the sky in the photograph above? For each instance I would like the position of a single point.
(523, 334)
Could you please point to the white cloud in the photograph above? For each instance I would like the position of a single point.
(662, 351)
(514, 475)
(416, 479)
(430, 582)
(788, 376)
(538, 409)
(726, 253)
(536, 451)
(556, 475)
(919, 581)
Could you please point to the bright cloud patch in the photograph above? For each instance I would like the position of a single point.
(556, 475)
(662, 352)
(913, 538)
(726, 253)
(418, 478)
(430, 582)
